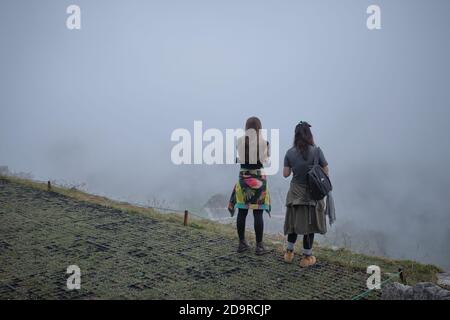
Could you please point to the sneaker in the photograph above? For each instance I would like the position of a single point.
(243, 246)
(260, 249)
(307, 261)
(288, 256)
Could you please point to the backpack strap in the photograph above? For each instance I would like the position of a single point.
(316, 155)
(316, 162)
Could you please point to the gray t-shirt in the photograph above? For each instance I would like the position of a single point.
(294, 160)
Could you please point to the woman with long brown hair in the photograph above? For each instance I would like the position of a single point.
(304, 216)
(251, 191)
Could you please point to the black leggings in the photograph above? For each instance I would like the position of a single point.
(308, 240)
(259, 224)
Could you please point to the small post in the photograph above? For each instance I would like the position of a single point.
(186, 214)
(49, 186)
(402, 276)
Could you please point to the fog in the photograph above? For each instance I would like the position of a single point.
(98, 105)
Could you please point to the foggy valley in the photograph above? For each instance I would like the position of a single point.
(96, 108)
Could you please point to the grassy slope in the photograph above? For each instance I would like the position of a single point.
(414, 271)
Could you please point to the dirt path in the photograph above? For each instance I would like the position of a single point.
(130, 256)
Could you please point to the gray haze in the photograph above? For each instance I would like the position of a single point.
(98, 105)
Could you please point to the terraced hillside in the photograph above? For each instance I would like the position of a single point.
(127, 253)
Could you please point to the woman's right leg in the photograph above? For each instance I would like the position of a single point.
(258, 224)
(308, 259)
(259, 231)
(308, 240)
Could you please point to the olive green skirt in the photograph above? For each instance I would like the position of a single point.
(302, 221)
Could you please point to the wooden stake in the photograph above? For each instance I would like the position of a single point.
(186, 214)
(402, 276)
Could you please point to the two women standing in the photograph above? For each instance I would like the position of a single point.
(304, 216)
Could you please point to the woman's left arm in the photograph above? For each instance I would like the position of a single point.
(287, 166)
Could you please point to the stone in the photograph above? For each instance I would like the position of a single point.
(421, 291)
(443, 280)
(396, 291)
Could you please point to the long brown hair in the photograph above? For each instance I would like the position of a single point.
(303, 137)
(255, 124)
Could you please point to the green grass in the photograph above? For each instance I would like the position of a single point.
(414, 271)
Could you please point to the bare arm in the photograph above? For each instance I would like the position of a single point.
(286, 172)
(326, 170)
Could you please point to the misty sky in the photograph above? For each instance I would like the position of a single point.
(98, 105)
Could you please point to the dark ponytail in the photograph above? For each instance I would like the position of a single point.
(303, 138)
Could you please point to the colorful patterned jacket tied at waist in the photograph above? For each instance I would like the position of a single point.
(251, 192)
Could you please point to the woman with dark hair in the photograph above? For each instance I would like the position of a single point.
(251, 191)
(304, 216)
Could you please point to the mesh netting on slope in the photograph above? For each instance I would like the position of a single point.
(131, 256)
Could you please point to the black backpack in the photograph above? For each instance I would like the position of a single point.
(319, 184)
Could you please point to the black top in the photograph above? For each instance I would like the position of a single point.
(252, 166)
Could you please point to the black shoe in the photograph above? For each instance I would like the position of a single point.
(260, 249)
(243, 246)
